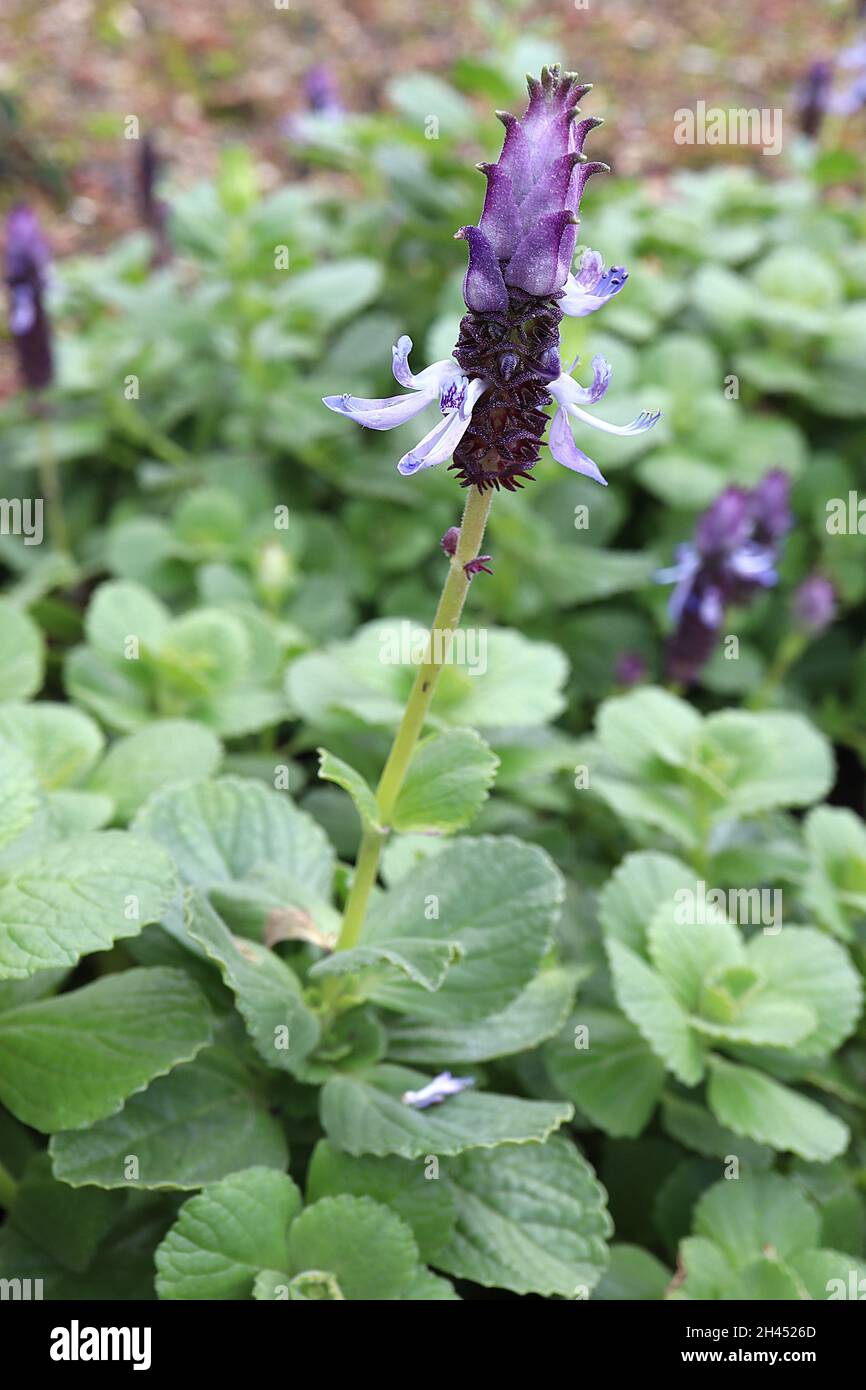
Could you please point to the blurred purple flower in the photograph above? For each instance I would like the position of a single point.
(152, 209)
(322, 104)
(518, 283)
(814, 604)
(852, 97)
(27, 263)
(813, 95)
(730, 560)
(322, 92)
(630, 668)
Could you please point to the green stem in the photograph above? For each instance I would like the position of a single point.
(8, 1188)
(49, 481)
(790, 650)
(138, 428)
(446, 621)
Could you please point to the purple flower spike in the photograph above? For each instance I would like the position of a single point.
(27, 262)
(771, 505)
(815, 604)
(153, 210)
(732, 558)
(813, 96)
(506, 370)
(437, 1090)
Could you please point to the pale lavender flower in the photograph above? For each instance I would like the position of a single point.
(437, 1090)
(592, 287)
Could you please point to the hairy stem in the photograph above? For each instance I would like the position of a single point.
(446, 621)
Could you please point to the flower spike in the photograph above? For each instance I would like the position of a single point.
(495, 393)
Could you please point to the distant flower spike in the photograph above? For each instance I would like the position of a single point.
(731, 559)
(27, 263)
(506, 369)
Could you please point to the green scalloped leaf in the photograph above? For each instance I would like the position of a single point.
(419, 1199)
(362, 1113)
(369, 1250)
(446, 784)
(756, 1106)
(227, 1235)
(497, 898)
(267, 992)
(531, 1219)
(69, 1061)
(22, 653)
(533, 1016)
(80, 896)
(656, 1013)
(616, 1080)
(205, 1119)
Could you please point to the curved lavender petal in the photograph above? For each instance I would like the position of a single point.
(568, 393)
(431, 378)
(381, 413)
(500, 220)
(483, 286)
(682, 574)
(439, 444)
(565, 451)
(602, 372)
(756, 563)
(534, 267)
